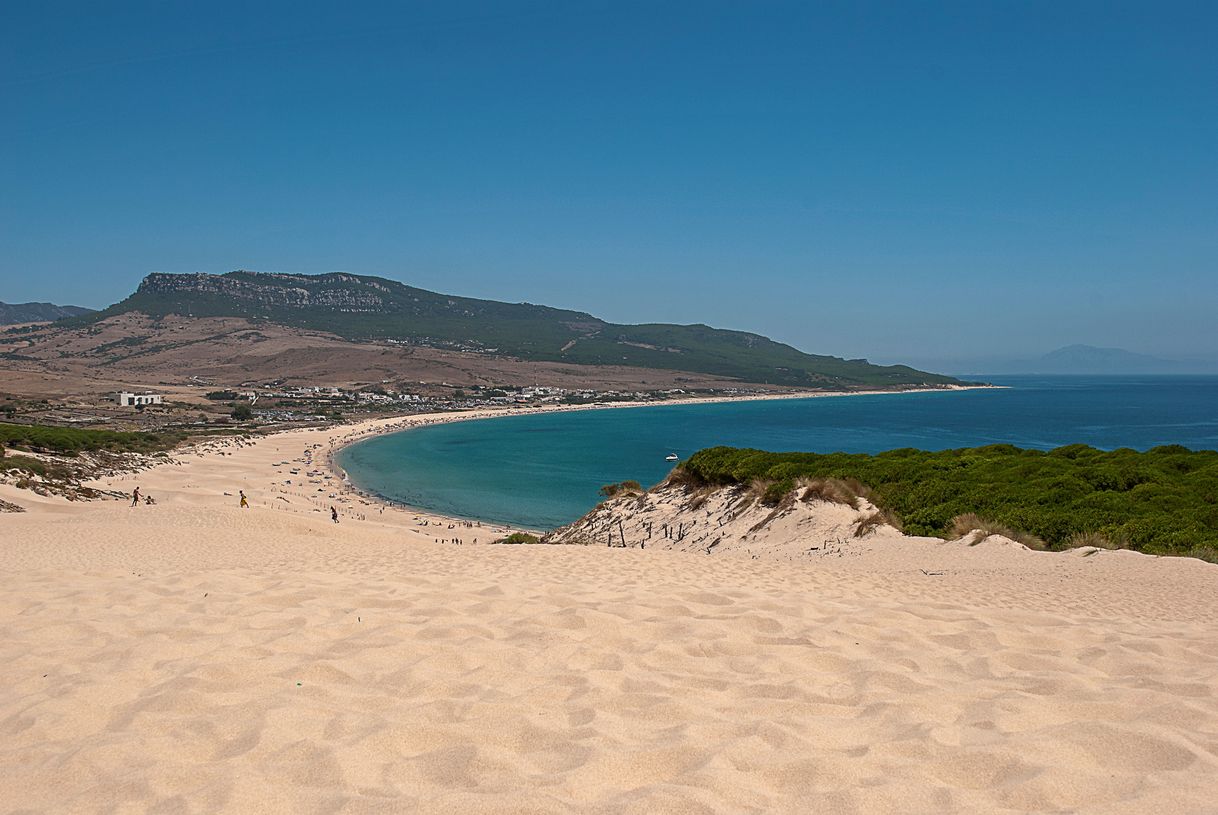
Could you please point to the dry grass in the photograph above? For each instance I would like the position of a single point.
(830, 490)
(860, 489)
(1206, 553)
(871, 522)
(981, 528)
(781, 508)
(756, 489)
(685, 480)
(624, 489)
(1093, 539)
(698, 498)
(698, 490)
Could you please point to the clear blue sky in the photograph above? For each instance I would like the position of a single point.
(903, 181)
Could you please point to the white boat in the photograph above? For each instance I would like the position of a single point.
(672, 457)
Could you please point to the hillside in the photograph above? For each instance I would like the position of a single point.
(368, 308)
(134, 350)
(14, 313)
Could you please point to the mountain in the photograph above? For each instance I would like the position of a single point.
(356, 307)
(1088, 359)
(13, 313)
(1079, 360)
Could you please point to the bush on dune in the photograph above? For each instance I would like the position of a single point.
(624, 488)
(832, 490)
(871, 522)
(1097, 540)
(72, 441)
(519, 538)
(1162, 501)
(981, 528)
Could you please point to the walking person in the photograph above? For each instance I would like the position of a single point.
(333, 514)
(135, 497)
(245, 504)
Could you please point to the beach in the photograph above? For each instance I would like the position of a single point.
(194, 656)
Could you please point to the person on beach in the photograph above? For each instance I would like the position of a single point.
(333, 514)
(245, 504)
(135, 497)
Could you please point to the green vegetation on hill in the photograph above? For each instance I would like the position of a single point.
(1163, 501)
(71, 441)
(366, 308)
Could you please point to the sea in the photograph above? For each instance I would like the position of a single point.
(540, 471)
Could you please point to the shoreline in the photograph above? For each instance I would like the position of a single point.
(428, 419)
(212, 471)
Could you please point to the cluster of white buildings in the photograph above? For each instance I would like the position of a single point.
(386, 398)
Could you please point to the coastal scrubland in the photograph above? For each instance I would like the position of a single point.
(1162, 501)
(71, 441)
(58, 460)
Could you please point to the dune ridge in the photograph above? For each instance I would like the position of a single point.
(196, 657)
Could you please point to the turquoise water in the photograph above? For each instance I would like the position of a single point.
(544, 470)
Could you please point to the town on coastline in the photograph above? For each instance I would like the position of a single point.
(276, 404)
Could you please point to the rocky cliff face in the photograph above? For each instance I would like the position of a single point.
(338, 291)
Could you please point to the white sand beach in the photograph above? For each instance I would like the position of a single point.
(193, 656)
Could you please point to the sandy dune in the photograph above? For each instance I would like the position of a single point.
(194, 657)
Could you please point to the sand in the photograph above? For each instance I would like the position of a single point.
(195, 657)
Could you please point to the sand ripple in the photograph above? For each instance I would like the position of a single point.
(203, 661)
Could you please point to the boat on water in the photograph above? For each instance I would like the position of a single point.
(672, 457)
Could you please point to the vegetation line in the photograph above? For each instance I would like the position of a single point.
(71, 441)
(1163, 501)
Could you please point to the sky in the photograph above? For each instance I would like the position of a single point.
(914, 182)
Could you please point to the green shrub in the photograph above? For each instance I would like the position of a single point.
(23, 464)
(519, 537)
(623, 488)
(774, 493)
(71, 441)
(1162, 501)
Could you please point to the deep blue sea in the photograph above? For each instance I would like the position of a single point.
(541, 471)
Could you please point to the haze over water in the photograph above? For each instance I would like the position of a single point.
(544, 470)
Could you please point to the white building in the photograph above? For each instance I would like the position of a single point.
(128, 399)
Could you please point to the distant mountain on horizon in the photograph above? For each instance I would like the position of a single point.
(14, 313)
(1081, 360)
(361, 308)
